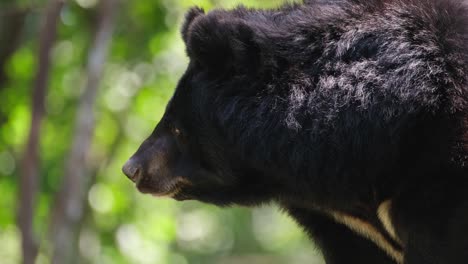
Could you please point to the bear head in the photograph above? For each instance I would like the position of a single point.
(192, 154)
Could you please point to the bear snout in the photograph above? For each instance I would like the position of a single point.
(132, 169)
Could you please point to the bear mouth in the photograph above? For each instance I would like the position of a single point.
(169, 189)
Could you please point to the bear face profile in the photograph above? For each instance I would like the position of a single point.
(351, 115)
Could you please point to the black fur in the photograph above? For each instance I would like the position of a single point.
(327, 106)
(191, 15)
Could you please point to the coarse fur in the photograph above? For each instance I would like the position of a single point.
(335, 110)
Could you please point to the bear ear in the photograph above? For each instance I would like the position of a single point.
(190, 17)
(221, 43)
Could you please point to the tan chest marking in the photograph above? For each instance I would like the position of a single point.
(368, 231)
(383, 213)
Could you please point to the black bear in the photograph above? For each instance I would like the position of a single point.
(352, 115)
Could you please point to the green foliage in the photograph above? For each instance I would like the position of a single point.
(121, 225)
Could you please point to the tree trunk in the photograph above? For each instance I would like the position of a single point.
(30, 163)
(68, 210)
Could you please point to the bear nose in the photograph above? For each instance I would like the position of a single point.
(131, 169)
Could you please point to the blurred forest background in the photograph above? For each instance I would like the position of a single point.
(82, 83)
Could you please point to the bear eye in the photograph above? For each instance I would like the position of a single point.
(176, 131)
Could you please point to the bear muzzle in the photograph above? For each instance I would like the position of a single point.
(132, 170)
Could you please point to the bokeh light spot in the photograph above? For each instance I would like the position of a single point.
(87, 3)
(201, 231)
(273, 229)
(89, 244)
(101, 198)
(63, 52)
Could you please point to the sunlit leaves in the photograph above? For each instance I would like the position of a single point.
(22, 64)
(8, 203)
(107, 131)
(87, 3)
(15, 131)
(206, 4)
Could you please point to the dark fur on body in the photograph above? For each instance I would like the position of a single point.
(328, 106)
